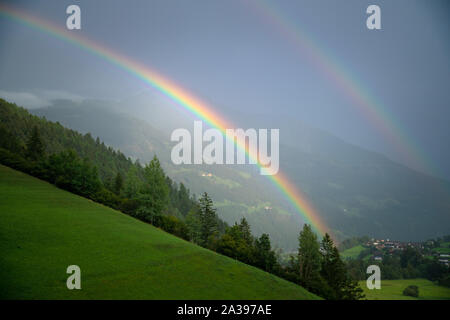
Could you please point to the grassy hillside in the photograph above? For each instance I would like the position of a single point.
(352, 253)
(239, 188)
(444, 248)
(393, 290)
(44, 229)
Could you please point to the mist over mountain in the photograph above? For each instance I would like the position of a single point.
(356, 191)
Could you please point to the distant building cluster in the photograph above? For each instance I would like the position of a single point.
(443, 258)
(392, 245)
(209, 174)
(383, 246)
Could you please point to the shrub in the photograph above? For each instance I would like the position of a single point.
(412, 291)
(107, 198)
(129, 206)
(445, 281)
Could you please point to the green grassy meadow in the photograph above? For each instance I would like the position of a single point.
(43, 230)
(393, 290)
(352, 253)
(444, 248)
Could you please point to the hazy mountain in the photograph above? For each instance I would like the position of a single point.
(237, 191)
(357, 192)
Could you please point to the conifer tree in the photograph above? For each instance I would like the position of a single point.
(155, 192)
(35, 146)
(265, 257)
(194, 224)
(118, 183)
(246, 233)
(132, 183)
(208, 219)
(334, 272)
(308, 256)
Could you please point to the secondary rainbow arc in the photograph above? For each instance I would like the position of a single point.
(372, 109)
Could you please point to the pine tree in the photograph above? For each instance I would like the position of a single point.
(184, 200)
(118, 183)
(246, 232)
(194, 224)
(334, 272)
(132, 183)
(208, 219)
(265, 257)
(308, 256)
(155, 192)
(35, 146)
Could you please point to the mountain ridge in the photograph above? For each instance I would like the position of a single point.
(346, 184)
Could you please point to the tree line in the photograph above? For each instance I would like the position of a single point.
(148, 194)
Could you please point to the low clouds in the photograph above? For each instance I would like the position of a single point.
(41, 99)
(25, 99)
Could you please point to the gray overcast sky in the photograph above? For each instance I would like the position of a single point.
(230, 55)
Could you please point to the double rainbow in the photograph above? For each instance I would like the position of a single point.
(174, 92)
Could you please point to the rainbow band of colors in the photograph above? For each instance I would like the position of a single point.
(322, 58)
(174, 92)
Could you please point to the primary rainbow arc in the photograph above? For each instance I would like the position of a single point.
(174, 92)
